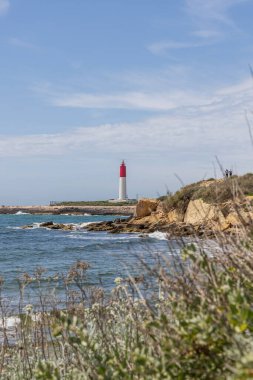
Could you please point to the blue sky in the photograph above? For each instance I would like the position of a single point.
(163, 84)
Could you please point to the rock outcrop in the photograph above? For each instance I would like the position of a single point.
(201, 209)
(52, 226)
(186, 213)
(145, 207)
(199, 213)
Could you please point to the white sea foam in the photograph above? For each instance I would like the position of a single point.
(22, 213)
(36, 225)
(158, 235)
(82, 225)
(9, 322)
(86, 214)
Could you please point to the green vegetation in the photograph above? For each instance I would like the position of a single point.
(210, 191)
(190, 316)
(197, 323)
(94, 203)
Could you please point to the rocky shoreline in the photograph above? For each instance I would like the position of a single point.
(74, 210)
(203, 209)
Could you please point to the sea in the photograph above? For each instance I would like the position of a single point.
(109, 256)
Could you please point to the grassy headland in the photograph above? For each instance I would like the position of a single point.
(204, 207)
(93, 203)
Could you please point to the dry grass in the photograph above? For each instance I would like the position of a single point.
(197, 323)
(210, 191)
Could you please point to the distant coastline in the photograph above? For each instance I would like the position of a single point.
(75, 210)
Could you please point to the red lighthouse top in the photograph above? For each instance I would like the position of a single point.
(122, 170)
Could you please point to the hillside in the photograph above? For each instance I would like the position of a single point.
(205, 207)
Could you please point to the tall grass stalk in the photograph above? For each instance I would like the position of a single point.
(196, 323)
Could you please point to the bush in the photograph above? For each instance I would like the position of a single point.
(217, 191)
(196, 323)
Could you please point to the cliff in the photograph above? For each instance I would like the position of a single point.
(202, 208)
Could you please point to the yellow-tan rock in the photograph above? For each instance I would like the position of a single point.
(239, 218)
(199, 212)
(145, 207)
(150, 219)
(174, 216)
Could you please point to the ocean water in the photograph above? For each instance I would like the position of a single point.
(109, 255)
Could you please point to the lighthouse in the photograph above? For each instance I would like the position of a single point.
(122, 182)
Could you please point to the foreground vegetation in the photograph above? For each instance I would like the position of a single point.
(189, 317)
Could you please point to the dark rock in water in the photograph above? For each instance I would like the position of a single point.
(52, 226)
(56, 227)
(60, 226)
(47, 224)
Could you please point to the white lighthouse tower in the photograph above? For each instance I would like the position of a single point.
(122, 182)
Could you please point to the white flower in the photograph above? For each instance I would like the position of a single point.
(28, 308)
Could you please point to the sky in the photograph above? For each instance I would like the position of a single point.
(164, 84)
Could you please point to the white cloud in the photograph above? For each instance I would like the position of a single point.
(175, 99)
(216, 127)
(212, 10)
(236, 89)
(128, 100)
(4, 6)
(164, 46)
(22, 44)
(207, 33)
(210, 19)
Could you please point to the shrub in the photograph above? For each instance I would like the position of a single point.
(217, 191)
(196, 322)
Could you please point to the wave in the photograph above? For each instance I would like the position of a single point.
(104, 236)
(22, 213)
(9, 322)
(158, 235)
(82, 225)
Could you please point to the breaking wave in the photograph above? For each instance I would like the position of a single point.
(158, 235)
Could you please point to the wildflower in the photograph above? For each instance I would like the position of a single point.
(118, 280)
(28, 309)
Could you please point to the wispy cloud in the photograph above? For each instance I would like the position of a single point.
(22, 44)
(4, 6)
(212, 10)
(174, 100)
(210, 20)
(131, 100)
(207, 33)
(158, 99)
(163, 46)
(217, 127)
